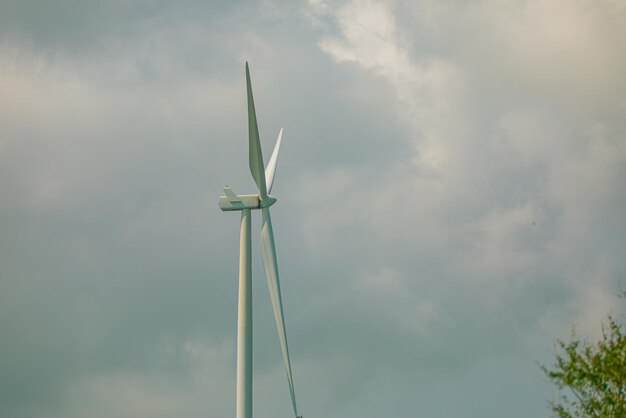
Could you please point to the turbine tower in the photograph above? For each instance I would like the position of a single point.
(246, 203)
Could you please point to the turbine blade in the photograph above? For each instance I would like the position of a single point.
(273, 283)
(271, 165)
(254, 147)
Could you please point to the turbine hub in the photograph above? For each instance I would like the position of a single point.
(269, 201)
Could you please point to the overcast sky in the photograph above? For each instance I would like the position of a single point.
(451, 200)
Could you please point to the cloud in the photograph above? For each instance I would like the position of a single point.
(450, 202)
(191, 377)
(474, 148)
(100, 221)
(486, 201)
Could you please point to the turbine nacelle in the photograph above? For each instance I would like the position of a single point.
(234, 201)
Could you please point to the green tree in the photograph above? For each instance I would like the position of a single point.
(591, 377)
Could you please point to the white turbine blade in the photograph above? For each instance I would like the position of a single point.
(271, 165)
(254, 147)
(273, 283)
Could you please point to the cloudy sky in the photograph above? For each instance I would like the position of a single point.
(451, 200)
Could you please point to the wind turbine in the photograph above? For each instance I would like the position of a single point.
(264, 180)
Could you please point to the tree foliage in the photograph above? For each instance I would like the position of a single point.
(591, 376)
